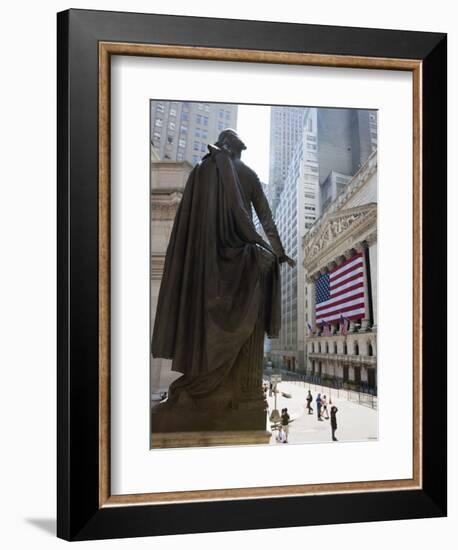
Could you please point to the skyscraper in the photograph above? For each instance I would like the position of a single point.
(345, 139)
(297, 211)
(181, 130)
(286, 125)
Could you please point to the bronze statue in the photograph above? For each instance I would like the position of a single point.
(219, 295)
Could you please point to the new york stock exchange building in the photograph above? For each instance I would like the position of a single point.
(340, 265)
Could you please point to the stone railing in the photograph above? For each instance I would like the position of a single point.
(356, 360)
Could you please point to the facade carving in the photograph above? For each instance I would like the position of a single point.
(337, 233)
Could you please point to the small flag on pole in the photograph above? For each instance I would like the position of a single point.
(344, 323)
(310, 329)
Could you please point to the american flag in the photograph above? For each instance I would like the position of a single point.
(341, 292)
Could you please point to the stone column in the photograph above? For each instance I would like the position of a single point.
(365, 322)
(372, 243)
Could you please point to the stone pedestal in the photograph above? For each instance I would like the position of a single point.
(209, 439)
(238, 404)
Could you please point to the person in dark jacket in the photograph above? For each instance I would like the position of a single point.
(309, 402)
(334, 410)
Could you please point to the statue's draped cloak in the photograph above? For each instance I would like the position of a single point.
(211, 291)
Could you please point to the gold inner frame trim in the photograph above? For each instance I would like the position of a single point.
(106, 50)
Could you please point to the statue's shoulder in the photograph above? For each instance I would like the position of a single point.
(244, 168)
(245, 173)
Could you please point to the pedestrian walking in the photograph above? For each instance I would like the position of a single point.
(334, 410)
(285, 420)
(309, 402)
(324, 407)
(319, 403)
(270, 388)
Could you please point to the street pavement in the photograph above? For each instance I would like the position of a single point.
(355, 422)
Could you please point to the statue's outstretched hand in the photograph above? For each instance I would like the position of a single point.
(288, 260)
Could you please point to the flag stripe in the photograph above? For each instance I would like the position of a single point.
(345, 276)
(358, 296)
(346, 268)
(359, 302)
(356, 287)
(352, 312)
(346, 285)
(354, 259)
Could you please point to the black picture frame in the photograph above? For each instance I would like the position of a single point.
(80, 516)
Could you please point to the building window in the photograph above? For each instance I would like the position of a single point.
(172, 125)
(345, 350)
(173, 112)
(335, 348)
(356, 348)
(370, 350)
(158, 122)
(160, 108)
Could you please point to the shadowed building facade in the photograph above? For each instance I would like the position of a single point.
(167, 184)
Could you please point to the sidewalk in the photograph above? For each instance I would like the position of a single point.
(354, 422)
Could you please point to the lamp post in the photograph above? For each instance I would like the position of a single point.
(275, 415)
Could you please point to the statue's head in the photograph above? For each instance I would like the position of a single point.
(230, 141)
